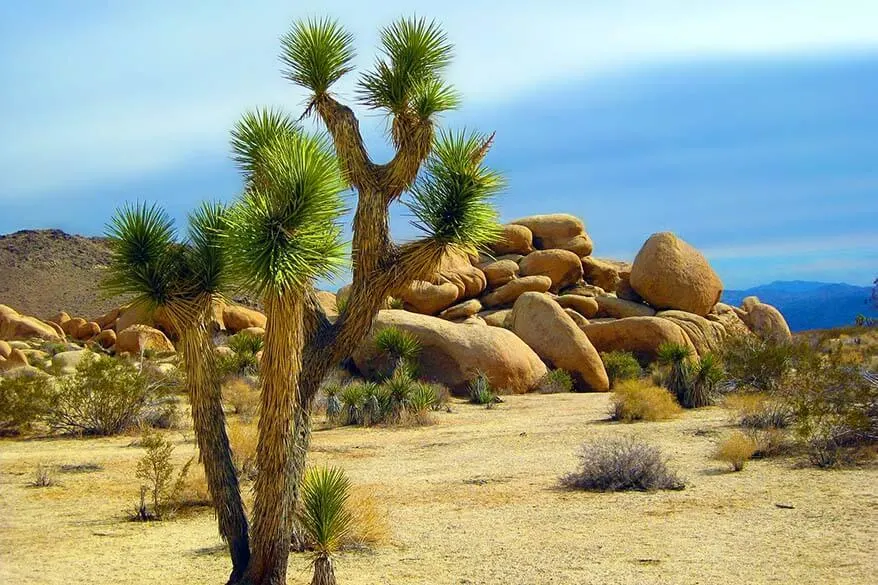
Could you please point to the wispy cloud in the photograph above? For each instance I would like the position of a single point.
(131, 89)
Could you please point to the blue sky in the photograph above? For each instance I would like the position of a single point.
(747, 127)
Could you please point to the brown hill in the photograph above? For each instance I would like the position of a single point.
(46, 271)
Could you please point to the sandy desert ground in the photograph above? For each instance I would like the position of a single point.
(472, 499)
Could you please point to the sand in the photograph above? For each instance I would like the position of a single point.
(473, 498)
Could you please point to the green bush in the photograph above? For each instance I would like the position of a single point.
(24, 400)
(105, 397)
(620, 365)
(705, 376)
(157, 472)
(759, 364)
(556, 381)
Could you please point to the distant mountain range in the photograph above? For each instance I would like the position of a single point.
(811, 305)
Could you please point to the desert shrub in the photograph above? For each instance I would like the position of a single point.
(244, 342)
(736, 450)
(617, 464)
(24, 400)
(333, 403)
(834, 408)
(705, 374)
(759, 364)
(243, 439)
(400, 347)
(396, 303)
(556, 381)
(400, 399)
(639, 400)
(769, 442)
(161, 483)
(241, 396)
(105, 397)
(481, 391)
(759, 411)
(620, 365)
(829, 405)
(325, 516)
(43, 477)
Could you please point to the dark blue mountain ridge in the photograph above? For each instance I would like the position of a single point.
(811, 305)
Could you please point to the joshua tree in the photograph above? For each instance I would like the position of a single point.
(183, 279)
(325, 518)
(282, 235)
(450, 201)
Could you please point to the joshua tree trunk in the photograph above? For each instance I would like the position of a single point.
(380, 268)
(274, 506)
(324, 574)
(213, 443)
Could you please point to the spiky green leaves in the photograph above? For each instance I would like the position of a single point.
(148, 262)
(255, 130)
(283, 233)
(207, 257)
(316, 54)
(325, 515)
(407, 80)
(451, 200)
(142, 238)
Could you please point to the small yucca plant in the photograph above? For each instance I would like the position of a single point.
(676, 358)
(400, 346)
(481, 391)
(706, 374)
(325, 517)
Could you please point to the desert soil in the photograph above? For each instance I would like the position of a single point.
(473, 498)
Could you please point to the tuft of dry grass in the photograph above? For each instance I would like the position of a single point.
(736, 450)
(640, 400)
(243, 438)
(241, 396)
(43, 477)
(371, 526)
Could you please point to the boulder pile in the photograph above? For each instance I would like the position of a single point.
(537, 299)
(541, 282)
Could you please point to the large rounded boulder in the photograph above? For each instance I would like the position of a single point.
(16, 326)
(670, 274)
(640, 335)
(620, 308)
(562, 266)
(607, 274)
(500, 272)
(429, 299)
(139, 338)
(514, 239)
(765, 320)
(554, 336)
(506, 294)
(457, 269)
(560, 231)
(454, 353)
(237, 317)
